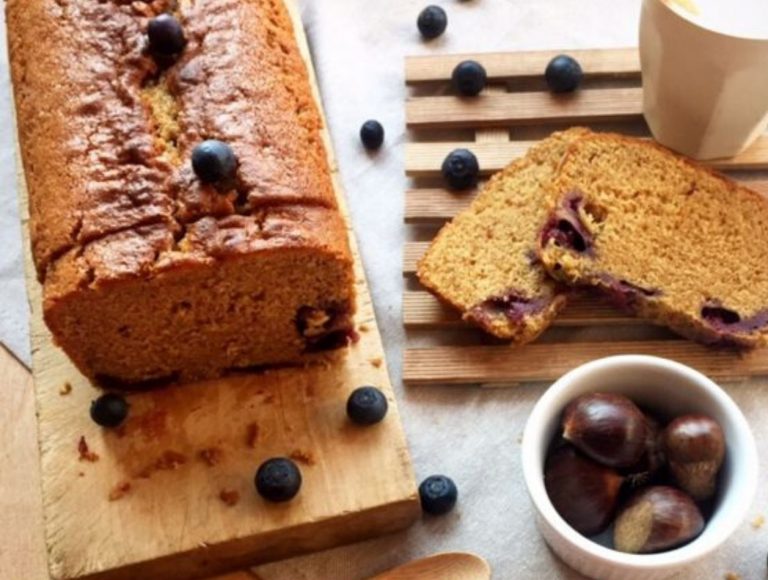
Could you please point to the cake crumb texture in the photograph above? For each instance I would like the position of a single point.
(673, 242)
(484, 261)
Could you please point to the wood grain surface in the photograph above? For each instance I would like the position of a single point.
(547, 361)
(22, 549)
(618, 63)
(425, 159)
(170, 494)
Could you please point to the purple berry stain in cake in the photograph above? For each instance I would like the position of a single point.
(624, 294)
(512, 305)
(565, 227)
(326, 328)
(728, 322)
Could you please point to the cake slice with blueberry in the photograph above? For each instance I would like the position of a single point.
(673, 242)
(484, 261)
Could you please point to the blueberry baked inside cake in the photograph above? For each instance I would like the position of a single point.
(183, 215)
(666, 239)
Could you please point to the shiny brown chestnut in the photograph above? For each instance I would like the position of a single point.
(652, 459)
(656, 518)
(607, 427)
(582, 491)
(695, 449)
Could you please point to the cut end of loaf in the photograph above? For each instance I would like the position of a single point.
(202, 320)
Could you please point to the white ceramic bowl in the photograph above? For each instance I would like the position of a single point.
(672, 389)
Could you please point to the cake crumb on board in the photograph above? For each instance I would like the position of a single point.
(120, 491)
(169, 461)
(229, 496)
(377, 362)
(211, 456)
(65, 389)
(732, 576)
(758, 522)
(304, 457)
(85, 452)
(252, 435)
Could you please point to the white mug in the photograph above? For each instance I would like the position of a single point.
(705, 92)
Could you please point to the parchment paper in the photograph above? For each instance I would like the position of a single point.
(468, 433)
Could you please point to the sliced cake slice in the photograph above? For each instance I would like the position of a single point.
(673, 242)
(484, 261)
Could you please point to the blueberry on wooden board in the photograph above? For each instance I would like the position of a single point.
(109, 410)
(563, 74)
(432, 22)
(214, 161)
(469, 78)
(438, 494)
(278, 479)
(166, 36)
(372, 134)
(460, 169)
(367, 406)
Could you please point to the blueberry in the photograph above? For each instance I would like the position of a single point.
(438, 494)
(109, 410)
(461, 169)
(563, 74)
(214, 161)
(432, 22)
(372, 134)
(278, 479)
(469, 78)
(166, 36)
(367, 405)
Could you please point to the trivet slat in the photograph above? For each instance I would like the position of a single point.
(546, 362)
(513, 109)
(424, 311)
(413, 253)
(424, 159)
(498, 126)
(595, 63)
(435, 205)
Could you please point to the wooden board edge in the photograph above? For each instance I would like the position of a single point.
(431, 68)
(246, 552)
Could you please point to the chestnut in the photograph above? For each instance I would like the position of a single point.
(656, 518)
(582, 491)
(607, 427)
(695, 448)
(652, 459)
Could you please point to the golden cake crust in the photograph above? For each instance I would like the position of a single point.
(106, 132)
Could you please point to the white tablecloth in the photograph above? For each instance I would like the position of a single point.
(467, 433)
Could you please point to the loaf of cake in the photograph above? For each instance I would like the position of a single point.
(673, 242)
(484, 262)
(150, 272)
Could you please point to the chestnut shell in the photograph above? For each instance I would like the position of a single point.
(607, 427)
(695, 449)
(657, 518)
(583, 492)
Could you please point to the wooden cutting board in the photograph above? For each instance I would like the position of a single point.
(511, 114)
(171, 495)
